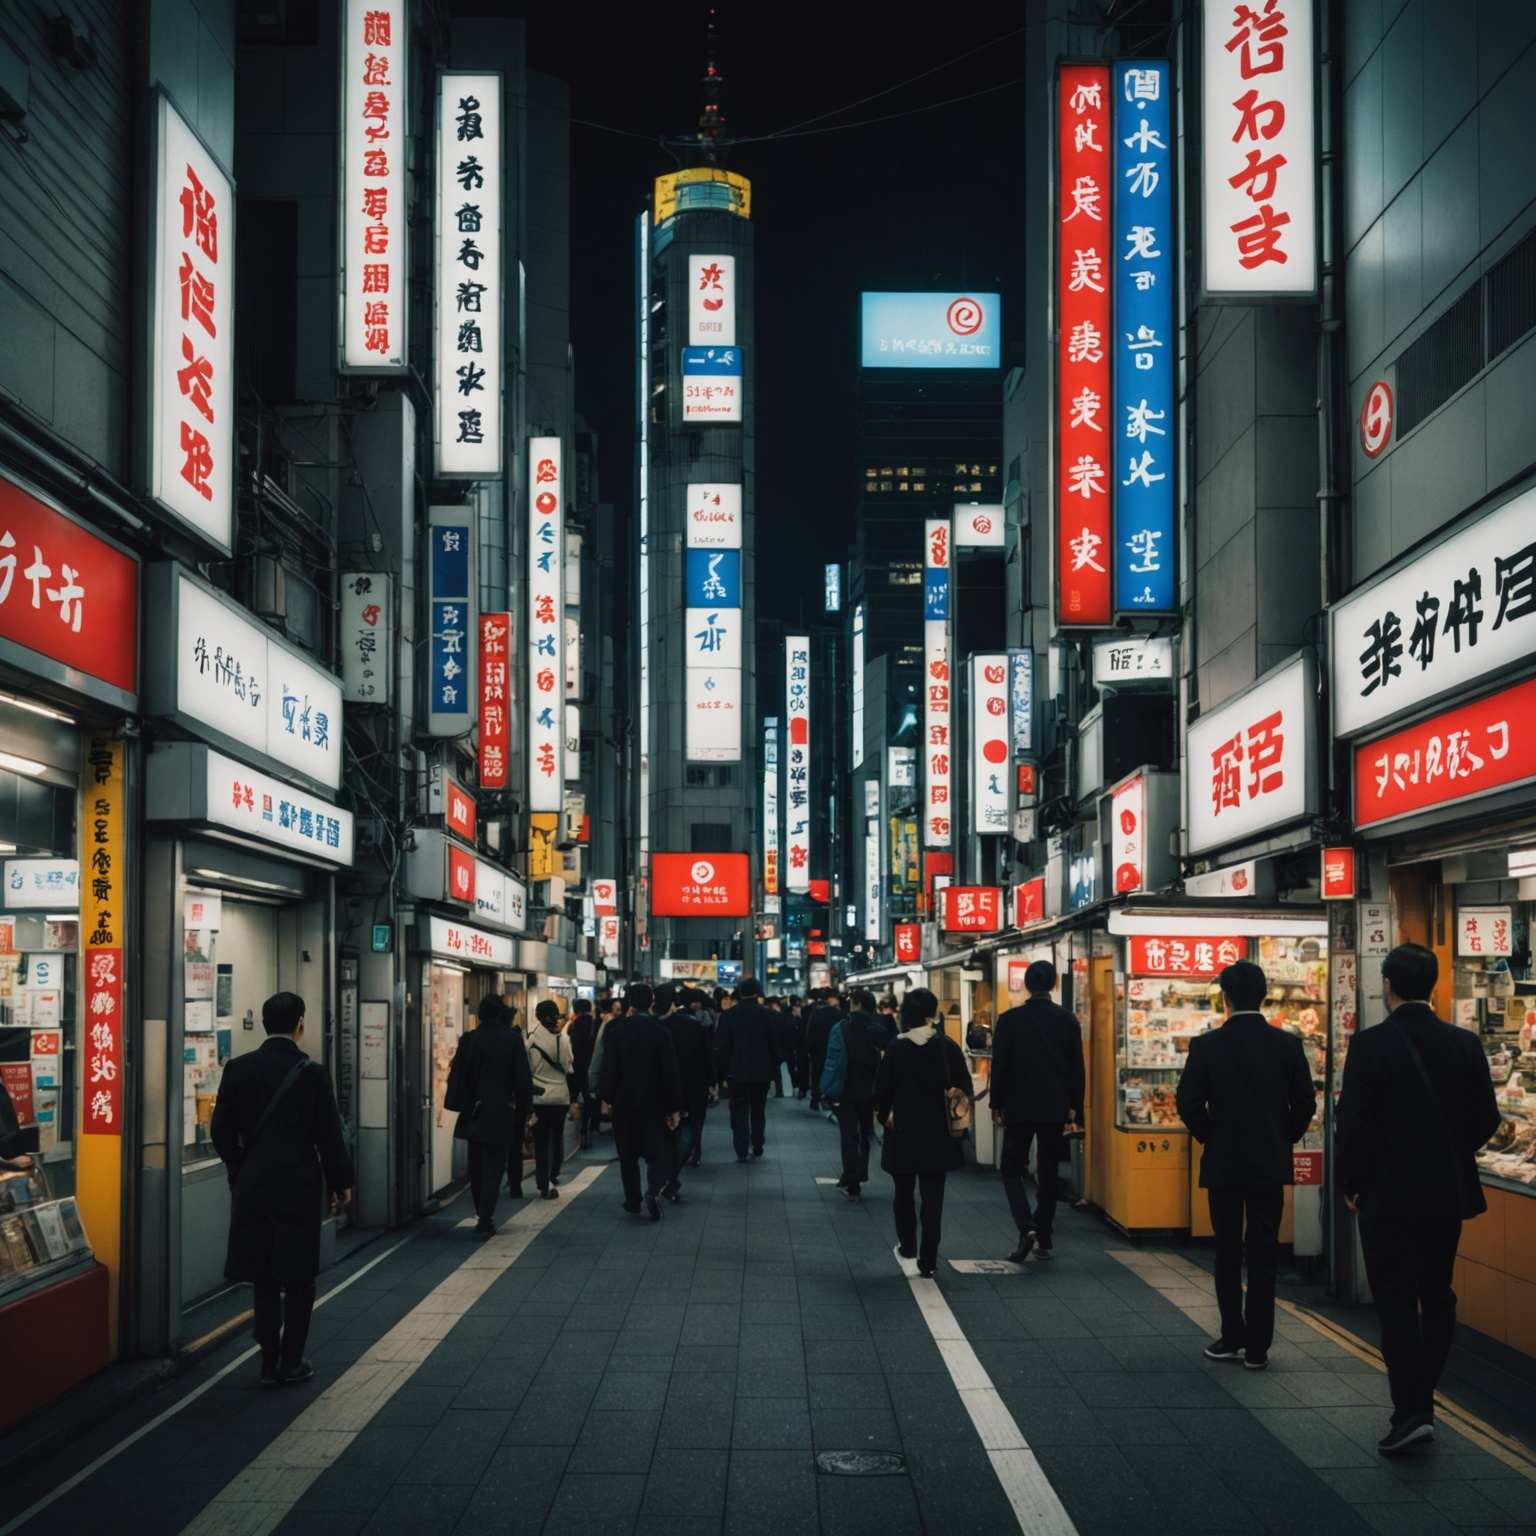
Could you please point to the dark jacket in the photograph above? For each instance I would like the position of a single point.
(1392, 1142)
(785, 1036)
(694, 1058)
(640, 1079)
(583, 1033)
(1246, 1093)
(854, 1050)
(1037, 1065)
(745, 1050)
(276, 1184)
(818, 1030)
(490, 1084)
(910, 1100)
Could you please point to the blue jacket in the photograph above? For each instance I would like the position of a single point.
(835, 1071)
(854, 1048)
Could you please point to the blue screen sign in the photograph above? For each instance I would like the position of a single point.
(932, 330)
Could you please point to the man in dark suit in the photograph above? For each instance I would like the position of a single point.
(490, 1086)
(583, 1033)
(642, 1093)
(276, 1126)
(854, 1050)
(691, 1043)
(1246, 1095)
(746, 1061)
(1417, 1104)
(820, 1022)
(1037, 1087)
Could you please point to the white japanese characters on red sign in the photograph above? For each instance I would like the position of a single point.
(972, 909)
(374, 280)
(546, 634)
(191, 456)
(938, 700)
(1259, 183)
(1185, 957)
(797, 763)
(712, 301)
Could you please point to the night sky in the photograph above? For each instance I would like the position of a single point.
(930, 200)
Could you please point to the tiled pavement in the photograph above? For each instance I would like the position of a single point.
(621, 1377)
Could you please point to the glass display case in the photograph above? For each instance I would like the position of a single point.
(1162, 1015)
(40, 1232)
(1297, 971)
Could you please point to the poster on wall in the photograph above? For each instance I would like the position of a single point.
(546, 633)
(495, 700)
(713, 516)
(797, 763)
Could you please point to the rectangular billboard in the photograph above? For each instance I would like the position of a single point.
(712, 384)
(797, 766)
(931, 330)
(937, 696)
(712, 301)
(700, 885)
(546, 632)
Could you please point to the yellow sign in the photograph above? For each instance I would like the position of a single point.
(542, 826)
(692, 189)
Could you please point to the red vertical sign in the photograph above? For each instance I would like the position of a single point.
(1083, 266)
(495, 628)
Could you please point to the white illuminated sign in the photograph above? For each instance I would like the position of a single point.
(872, 912)
(546, 668)
(1138, 660)
(51, 884)
(858, 686)
(712, 301)
(979, 527)
(833, 583)
(472, 946)
(259, 806)
(771, 807)
(797, 762)
(938, 748)
(990, 748)
(714, 517)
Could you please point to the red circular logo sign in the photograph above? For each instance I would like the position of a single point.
(964, 317)
(982, 523)
(995, 751)
(1376, 419)
(546, 502)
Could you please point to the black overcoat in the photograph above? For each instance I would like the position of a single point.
(490, 1084)
(910, 1096)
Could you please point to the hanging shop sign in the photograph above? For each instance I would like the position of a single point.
(367, 636)
(447, 798)
(470, 356)
(856, 743)
(1141, 422)
(1145, 659)
(375, 282)
(700, 885)
(712, 696)
(832, 588)
(41, 884)
(69, 600)
(491, 899)
(931, 330)
(189, 444)
(714, 517)
(572, 743)
(901, 767)
(908, 942)
(451, 595)
(1128, 834)
(711, 301)
(1029, 902)
(1376, 419)
(103, 920)
(1232, 882)
(872, 914)
(972, 909)
(1484, 931)
(608, 940)
(937, 685)
(495, 701)
(712, 384)
(1456, 756)
(543, 828)
(1462, 611)
(1084, 460)
(1250, 761)
(470, 946)
(712, 644)
(546, 741)
(1199, 957)
(1337, 879)
(771, 885)
(978, 527)
(1258, 155)
(797, 763)
(989, 746)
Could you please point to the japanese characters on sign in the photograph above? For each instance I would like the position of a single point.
(1249, 761)
(495, 699)
(50, 884)
(1338, 874)
(271, 811)
(978, 527)
(103, 938)
(605, 895)
(542, 828)
(937, 748)
(700, 885)
(461, 873)
(797, 763)
(1087, 434)
(1137, 660)
(190, 459)
(832, 588)
(374, 226)
(931, 330)
(471, 359)
(458, 941)
(458, 809)
(712, 631)
(1485, 931)
(1145, 443)
(972, 909)
(1029, 902)
(989, 744)
(1460, 611)
(873, 916)
(1457, 755)
(367, 636)
(712, 384)
(1128, 834)
(546, 634)
(714, 517)
(712, 301)
(1199, 956)
(771, 885)
(1258, 183)
(67, 596)
(908, 942)
(452, 625)
(1021, 689)
(856, 733)
(494, 900)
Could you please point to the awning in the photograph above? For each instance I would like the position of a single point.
(1179, 922)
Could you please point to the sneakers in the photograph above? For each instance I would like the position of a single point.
(925, 1269)
(1044, 1247)
(1254, 1362)
(1026, 1246)
(291, 1375)
(850, 1193)
(652, 1208)
(1412, 1431)
(269, 1370)
(1219, 1349)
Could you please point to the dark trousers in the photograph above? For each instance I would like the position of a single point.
(818, 1061)
(591, 1117)
(690, 1134)
(515, 1160)
(749, 1113)
(634, 1139)
(548, 1142)
(1409, 1264)
(1049, 1141)
(856, 1128)
(282, 1318)
(931, 1187)
(1262, 1205)
(487, 1163)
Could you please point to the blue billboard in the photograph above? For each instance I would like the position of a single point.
(714, 578)
(931, 330)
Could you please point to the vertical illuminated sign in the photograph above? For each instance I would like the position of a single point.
(712, 301)
(858, 686)
(771, 806)
(451, 604)
(546, 634)
(1084, 424)
(937, 747)
(495, 699)
(470, 357)
(374, 232)
(712, 634)
(989, 753)
(797, 767)
(1144, 439)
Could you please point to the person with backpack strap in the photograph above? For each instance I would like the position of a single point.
(854, 1049)
(552, 1061)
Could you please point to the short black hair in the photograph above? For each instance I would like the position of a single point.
(1039, 976)
(888, 1001)
(282, 1013)
(666, 996)
(1244, 985)
(547, 1012)
(493, 1010)
(582, 1005)
(751, 987)
(917, 1007)
(693, 998)
(862, 999)
(639, 997)
(1413, 972)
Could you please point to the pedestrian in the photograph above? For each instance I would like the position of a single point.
(1037, 1087)
(490, 1086)
(784, 1047)
(801, 1071)
(698, 1077)
(745, 1061)
(854, 1049)
(582, 1032)
(923, 1093)
(276, 1126)
(608, 1010)
(642, 1093)
(1246, 1095)
(1417, 1104)
(888, 1017)
(823, 1014)
(692, 1048)
(552, 1061)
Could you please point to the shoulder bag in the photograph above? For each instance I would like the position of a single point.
(295, 1072)
(570, 1077)
(957, 1101)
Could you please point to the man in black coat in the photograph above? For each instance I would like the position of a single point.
(746, 1060)
(1037, 1087)
(854, 1050)
(691, 1044)
(1417, 1104)
(491, 1087)
(583, 1033)
(276, 1126)
(642, 1093)
(1246, 1095)
(818, 1030)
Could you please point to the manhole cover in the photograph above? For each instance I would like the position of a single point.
(861, 1463)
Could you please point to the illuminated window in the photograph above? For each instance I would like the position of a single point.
(919, 485)
(904, 485)
(885, 485)
(975, 485)
(903, 470)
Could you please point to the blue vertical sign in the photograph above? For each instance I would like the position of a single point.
(1145, 444)
(453, 622)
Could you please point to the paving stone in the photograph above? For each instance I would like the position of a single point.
(771, 1424)
(595, 1505)
(869, 1506)
(682, 1484)
(771, 1493)
(614, 1442)
(427, 1508)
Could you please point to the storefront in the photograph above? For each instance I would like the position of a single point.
(68, 677)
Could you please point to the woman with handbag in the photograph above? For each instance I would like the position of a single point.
(923, 1098)
(552, 1062)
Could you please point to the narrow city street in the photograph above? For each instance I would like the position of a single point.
(584, 1371)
